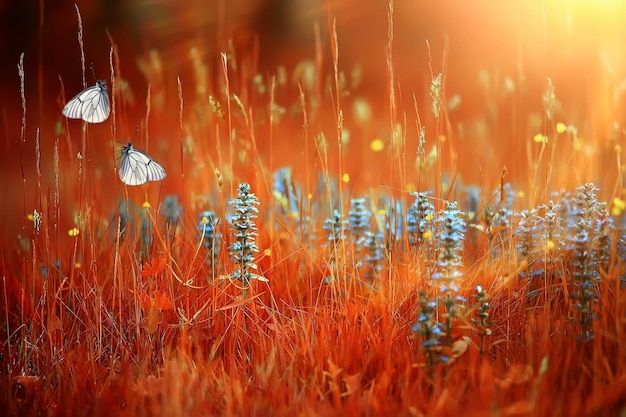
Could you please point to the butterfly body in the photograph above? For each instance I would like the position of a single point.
(91, 105)
(137, 167)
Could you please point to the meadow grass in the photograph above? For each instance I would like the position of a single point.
(312, 252)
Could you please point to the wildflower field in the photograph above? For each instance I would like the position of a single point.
(365, 208)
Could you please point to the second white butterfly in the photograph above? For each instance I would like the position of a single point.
(92, 104)
(137, 167)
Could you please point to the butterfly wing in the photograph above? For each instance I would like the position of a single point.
(137, 167)
(154, 170)
(74, 108)
(92, 104)
(96, 106)
(129, 171)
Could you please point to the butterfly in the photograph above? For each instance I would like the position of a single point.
(92, 104)
(137, 167)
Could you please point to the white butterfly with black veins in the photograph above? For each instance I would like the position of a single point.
(92, 104)
(137, 167)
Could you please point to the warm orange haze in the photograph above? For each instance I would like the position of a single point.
(272, 207)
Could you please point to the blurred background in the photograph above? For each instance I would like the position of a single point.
(497, 57)
(575, 42)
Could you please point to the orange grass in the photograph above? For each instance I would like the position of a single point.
(96, 321)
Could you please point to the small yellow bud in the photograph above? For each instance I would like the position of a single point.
(377, 145)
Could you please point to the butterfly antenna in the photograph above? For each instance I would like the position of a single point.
(93, 73)
(136, 132)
